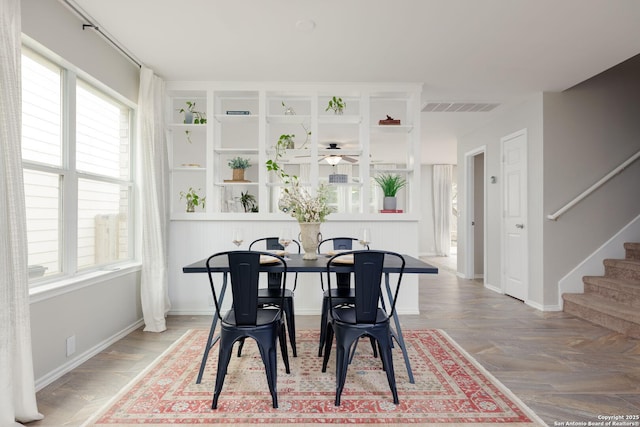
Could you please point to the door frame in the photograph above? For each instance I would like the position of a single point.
(503, 222)
(469, 179)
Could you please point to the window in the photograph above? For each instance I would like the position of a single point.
(76, 153)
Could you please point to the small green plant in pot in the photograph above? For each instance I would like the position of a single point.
(390, 185)
(337, 105)
(238, 164)
(193, 199)
(248, 202)
(191, 115)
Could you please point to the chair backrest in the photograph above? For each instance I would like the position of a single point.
(368, 268)
(244, 269)
(339, 244)
(272, 243)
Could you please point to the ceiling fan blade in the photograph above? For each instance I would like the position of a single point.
(349, 159)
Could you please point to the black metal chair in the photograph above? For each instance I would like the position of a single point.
(273, 294)
(343, 293)
(367, 317)
(246, 319)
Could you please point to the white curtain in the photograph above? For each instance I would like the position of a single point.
(442, 182)
(17, 385)
(153, 172)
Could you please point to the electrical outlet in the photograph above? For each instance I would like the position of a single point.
(71, 345)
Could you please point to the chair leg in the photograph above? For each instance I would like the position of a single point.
(240, 345)
(282, 338)
(291, 323)
(268, 355)
(327, 348)
(224, 356)
(342, 364)
(387, 363)
(323, 324)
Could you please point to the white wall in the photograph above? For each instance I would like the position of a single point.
(527, 115)
(104, 309)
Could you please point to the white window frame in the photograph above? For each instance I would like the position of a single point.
(70, 277)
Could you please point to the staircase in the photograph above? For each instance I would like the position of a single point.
(612, 300)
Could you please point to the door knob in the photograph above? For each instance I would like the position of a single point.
(521, 226)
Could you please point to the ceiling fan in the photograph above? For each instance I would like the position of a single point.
(334, 159)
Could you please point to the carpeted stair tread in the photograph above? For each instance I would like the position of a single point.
(604, 312)
(620, 290)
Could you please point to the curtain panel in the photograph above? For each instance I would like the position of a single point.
(442, 182)
(17, 385)
(153, 175)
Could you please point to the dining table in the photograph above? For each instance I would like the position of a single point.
(296, 264)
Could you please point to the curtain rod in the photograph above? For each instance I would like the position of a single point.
(84, 16)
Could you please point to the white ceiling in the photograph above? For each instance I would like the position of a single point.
(462, 50)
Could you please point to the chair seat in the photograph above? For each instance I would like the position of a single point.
(340, 293)
(274, 293)
(264, 317)
(348, 315)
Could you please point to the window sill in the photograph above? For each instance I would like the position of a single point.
(83, 280)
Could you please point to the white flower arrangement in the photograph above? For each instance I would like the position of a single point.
(296, 200)
(304, 207)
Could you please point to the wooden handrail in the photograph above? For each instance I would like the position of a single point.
(554, 216)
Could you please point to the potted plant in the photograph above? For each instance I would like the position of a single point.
(390, 184)
(238, 164)
(248, 202)
(193, 199)
(191, 115)
(337, 105)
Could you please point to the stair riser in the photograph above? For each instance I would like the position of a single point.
(620, 272)
(616, 295)
(603, 319)
(632, 250)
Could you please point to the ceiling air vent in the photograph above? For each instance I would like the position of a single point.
(458, 107)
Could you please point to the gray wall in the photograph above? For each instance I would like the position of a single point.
(103, 309)
(588, 131)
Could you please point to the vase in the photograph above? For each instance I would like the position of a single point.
(238, 174)
(310, 237)
(389, 203)
(188, 117)
(191, 207)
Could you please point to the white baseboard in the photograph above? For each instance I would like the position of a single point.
(47, 379)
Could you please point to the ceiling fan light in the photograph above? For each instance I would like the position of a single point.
(333, 160)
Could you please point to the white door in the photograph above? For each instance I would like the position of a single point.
(514, 224)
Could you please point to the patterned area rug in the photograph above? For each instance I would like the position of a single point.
(450, 388)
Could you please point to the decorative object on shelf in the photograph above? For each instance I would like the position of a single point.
(193, 199)
(238, 164)
(390, 184)
(238, 113)
(188, 133)
(309, 210)
(288, 111)
(286, 141)
(191, 115)
(337, 105)
(248, 202)
(389, 121)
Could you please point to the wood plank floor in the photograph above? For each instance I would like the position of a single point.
(563, 368)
